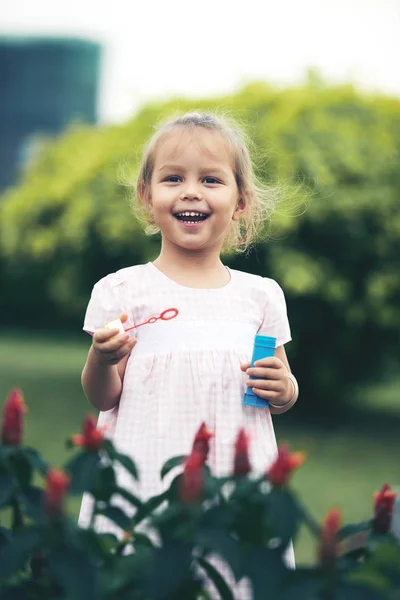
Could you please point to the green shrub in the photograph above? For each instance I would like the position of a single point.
(334, 244)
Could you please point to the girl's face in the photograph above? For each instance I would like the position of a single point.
(193, 195)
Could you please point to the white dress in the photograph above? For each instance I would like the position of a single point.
(186, 370)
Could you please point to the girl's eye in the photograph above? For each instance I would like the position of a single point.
(210, 180)
(173, 178)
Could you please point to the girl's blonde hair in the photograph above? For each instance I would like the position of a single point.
(258, 200)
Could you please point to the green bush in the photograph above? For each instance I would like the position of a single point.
(246, 521)
(334, 245)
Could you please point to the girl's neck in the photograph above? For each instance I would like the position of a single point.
(193, 270)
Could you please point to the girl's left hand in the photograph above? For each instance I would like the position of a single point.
(271, 379)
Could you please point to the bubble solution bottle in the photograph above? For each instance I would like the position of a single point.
(264, 346)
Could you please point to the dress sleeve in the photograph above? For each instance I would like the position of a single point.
(275, 322)
(107, 301)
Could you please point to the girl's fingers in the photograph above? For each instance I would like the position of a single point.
(103, 334)
(265, 384)
(113, 344)
(114, 355)
(271, 362)
(266, 394)
(264, 373)
(245, 366)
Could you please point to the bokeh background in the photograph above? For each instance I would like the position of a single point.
(316, 85)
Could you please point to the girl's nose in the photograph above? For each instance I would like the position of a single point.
(191, 192)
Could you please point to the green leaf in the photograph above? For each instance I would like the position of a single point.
(223, 544)
(97, 545)
(6, 451)
(283, 515)
(35, 460)
(171, 464)
(22, 468)
(5, 535)
(82, 469)
(127, 573)
(171, 564)
(75, 572)
(14, 593)
(302, 583)
(352, 529)
(104, 483)
(117, 515)
(128, 463)
(148, 507)
(108, 541)
(109, 448)
(6, 489)
(32, 500)
(345, 591)
(266, 570)
(14, 555)
(140, 539)
(217, 579)
(134, 500)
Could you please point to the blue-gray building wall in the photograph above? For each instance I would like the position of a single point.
(45, 84)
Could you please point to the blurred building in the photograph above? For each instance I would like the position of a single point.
(45, 84)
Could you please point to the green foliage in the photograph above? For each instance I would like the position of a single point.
(247, 522)
(333, 245)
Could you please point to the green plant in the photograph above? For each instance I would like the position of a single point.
(247, 521)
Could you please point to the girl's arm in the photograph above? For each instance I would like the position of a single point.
(103, 373)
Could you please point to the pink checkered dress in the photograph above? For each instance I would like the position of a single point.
(186, 370)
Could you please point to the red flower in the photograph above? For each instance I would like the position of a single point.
(383, 509)
(201, 443)
(91, 438)
(57, 483)
(286, 462)
(13, 419)
(328, 544)
(241, 463)
(192, 482)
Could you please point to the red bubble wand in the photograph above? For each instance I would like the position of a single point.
(166, 315)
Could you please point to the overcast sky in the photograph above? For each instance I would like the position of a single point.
(160, 48)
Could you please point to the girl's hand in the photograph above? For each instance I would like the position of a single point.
(271, 379)
(110, 346)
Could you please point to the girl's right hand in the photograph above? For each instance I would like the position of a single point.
(110, 346)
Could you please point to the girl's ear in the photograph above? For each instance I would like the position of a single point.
(145, 197)
(240, 208)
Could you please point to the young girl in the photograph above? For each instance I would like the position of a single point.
(154, 389)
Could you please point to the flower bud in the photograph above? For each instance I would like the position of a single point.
(201, 443)
(328, 544)
(13, 418)
(57, 483)
(91, 438)
(241, 463)
(192, 481)
(383, 509)
(286, 462)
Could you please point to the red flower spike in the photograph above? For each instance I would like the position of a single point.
(13, 418)
(57, 483)
(328, 544)
(280, 470)
(192, 482)
(92, 438)
(241, 463)
(383, 509)
(201, 443)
